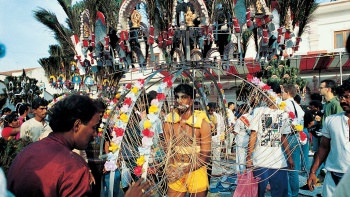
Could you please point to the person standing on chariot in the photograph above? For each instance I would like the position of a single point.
(188, 139)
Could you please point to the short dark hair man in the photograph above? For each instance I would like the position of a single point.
(36, 126)
(49, 167)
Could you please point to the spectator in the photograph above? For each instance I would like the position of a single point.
(308, 122)
(11, 126)
(23, 111)
(334, 149)
(49, 167)
(269, 161)
(6, 111)
(36, 126)
(332, 105)
(242, 137)
(231, 121)
(316, 109)
(288, 94)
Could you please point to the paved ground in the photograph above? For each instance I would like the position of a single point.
(214, 181)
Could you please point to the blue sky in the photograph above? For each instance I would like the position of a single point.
(27, 40)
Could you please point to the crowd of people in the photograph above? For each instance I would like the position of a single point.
(261, 135)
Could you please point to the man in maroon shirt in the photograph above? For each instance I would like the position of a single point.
(49, 167)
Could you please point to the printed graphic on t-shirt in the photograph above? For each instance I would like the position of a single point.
(271, 135)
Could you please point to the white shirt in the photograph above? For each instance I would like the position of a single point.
(231, 117)
(240, 128)
(299, 110)
(269, 124)
(33, 129)
(336, 129)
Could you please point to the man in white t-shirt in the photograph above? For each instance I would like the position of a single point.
(269, 128)
(335, 145)
(288, 93)
(36, 126)
(231, 123)
(242, 136)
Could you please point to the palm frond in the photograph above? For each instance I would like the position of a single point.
(110, 9)
(49, 19)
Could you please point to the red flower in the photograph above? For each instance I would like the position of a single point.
(291, 115)
(99, 134)
(169, 84)
(249, 77)
(127, 101)
(199, 85)
(147, 133)
(225, 101)
(118, 132)
(219, 85)
(105, 116)
(115, 100)
(166, 79)
(142, 81)
(128, 86)
(302, 136)
(161, 96)
(266, 87)
(138, 170)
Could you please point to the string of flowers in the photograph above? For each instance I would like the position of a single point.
(120, 121)
(149, 128)
(281, 105)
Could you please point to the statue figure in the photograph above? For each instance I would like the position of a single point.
(258, 8)
(136, 19)
(189, 16)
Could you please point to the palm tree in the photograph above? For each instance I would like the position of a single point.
(63, 53)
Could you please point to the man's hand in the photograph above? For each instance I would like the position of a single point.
(249, 164)
(139, 189)
(290, 163)
(91, 178)
(311, 181)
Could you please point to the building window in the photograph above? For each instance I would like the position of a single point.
(340, 38)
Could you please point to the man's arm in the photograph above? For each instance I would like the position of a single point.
(319, 158)
(251, 146)
(285, 145)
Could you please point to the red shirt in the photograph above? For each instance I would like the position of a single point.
(49, 168)
(6, 133)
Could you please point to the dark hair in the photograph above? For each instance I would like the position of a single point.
(344, 87)
(212, 105)
(317, 104)
(316, 96)
(297, 98)
(275, 86)
(6, 109)
(23, 108)
(10, 118)
(101, 105)
(330, 84)
(291, 89)
(230, 103)
(36, 103)
(186, 89)
(66, 111)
